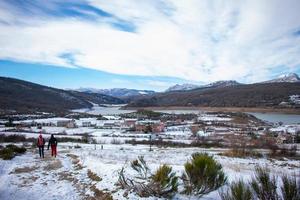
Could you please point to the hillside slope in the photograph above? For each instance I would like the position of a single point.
(252, 95)
(23, 96)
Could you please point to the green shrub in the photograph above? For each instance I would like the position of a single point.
(202, 175)
(10, 151)
(290, 189)
(237, 191)
(264, 185)
(16, 149)
(164, 182)
(7, 154)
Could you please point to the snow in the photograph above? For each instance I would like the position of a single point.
(106, 163)
(97, 110)
(213, 118)
(36, 184)
(295, 99)
(293, 129)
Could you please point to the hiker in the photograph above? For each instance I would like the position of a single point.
(53, 143)
(41, 144)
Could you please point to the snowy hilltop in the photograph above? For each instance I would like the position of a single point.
(285, 78)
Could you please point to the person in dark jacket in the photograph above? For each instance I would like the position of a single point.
(41, 144)
(53, 143)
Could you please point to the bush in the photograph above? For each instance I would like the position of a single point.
(290, 189)
(16, 149)
(115, 141)
(202, 175)
(237, 191)
(164, 182)
(264, 185)
(7, 154)
(140, 166)
(10, 151)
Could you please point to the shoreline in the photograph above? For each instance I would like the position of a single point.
(221, 109)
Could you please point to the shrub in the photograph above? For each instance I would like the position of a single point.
(237, 191)
(290, 189)
(264, 185)
(164, 182)
(7, 154)
(202, 175)
(10, 151)
(16, 149)
(115, 141)
(140, 166)
(77, 146)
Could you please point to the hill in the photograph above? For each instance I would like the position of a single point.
(250, 95)
(22, 96)
(117, 92)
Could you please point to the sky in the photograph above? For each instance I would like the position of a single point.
(148, 44)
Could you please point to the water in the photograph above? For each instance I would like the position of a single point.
(270, 117)
(277, 117)
(110, 110)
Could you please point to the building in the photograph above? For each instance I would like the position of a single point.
(72, 124)
(86, 124)
(155, 126)
(129, 123)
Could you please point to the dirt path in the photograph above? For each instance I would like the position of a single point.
(29, 177)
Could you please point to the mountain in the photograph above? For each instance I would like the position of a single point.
(186, 86)
(117, 92)
(22, 96)
(220, 84)
(286, 78)
(241, 95)
(181, 87)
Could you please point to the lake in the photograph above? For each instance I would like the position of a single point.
(270, 117)
(277, 117)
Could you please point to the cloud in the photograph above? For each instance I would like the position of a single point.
(194, 40)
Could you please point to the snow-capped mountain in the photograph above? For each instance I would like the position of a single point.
(223, 84)
(117, 92)
(182, 87)
(286, 78)
(185, 87)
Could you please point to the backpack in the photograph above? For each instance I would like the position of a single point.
(40, 141)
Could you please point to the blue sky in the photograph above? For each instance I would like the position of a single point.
(149, 44)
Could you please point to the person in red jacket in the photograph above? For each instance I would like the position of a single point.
(41, 144)
(53, 143)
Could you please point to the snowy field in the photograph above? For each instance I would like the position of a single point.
(26, 176)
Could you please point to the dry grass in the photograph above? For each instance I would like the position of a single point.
(93, 176)
(26, 169)
(56, 164)
(100, 195)
(241, 153)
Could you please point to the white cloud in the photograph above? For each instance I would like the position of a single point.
(195, 40)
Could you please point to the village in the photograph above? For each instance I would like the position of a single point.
(94, 149)
(221, 129)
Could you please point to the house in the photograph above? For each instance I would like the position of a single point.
(63, 123)
(129, 123)
(71, 124)
(155, 126)
(86, 124)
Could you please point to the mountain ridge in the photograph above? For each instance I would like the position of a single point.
(24, 96)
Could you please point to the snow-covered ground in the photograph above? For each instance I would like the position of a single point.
(26, 176)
